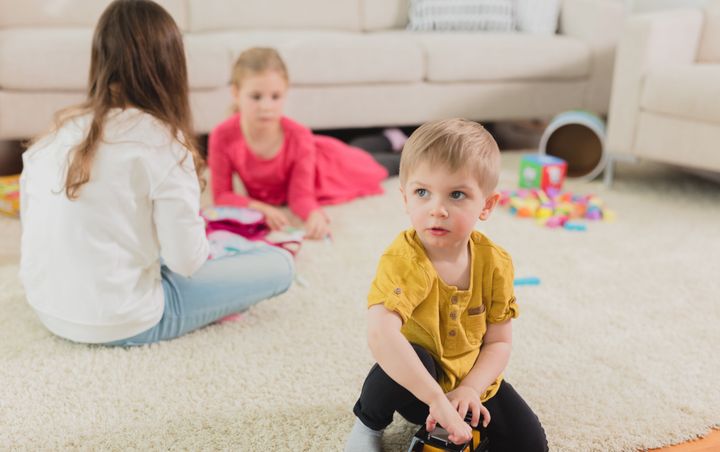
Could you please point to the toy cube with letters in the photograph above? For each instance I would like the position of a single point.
(542, 171)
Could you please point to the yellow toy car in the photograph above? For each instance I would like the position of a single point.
(437, 440)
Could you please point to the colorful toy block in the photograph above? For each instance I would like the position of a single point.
(542, 171)
(555, 209)
(10, 195)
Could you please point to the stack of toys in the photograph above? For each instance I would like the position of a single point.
(10, 195)
(541, 178)
(555, 209)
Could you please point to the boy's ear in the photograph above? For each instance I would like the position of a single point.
(490, 203)
(404, 198)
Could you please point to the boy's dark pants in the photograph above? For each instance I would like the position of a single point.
(513, 425)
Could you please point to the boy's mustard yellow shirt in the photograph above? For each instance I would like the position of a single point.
(447, 322)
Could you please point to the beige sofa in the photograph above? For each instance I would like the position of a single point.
(351, 62)
(666, 96)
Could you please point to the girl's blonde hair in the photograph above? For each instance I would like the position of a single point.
(455, 144)
(255, 61)
(137, 60)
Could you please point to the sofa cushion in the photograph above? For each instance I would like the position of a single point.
(384, 14)
(59, 59)
(537, 17)
(337, 58)
(453, 57)
(684, 91)
(70, 13)
(709, 50)
(208, 15)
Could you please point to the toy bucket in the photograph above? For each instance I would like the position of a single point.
(578, 137)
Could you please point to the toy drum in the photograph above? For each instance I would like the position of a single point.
(578, 137)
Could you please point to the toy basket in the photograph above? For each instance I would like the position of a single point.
(578, 137)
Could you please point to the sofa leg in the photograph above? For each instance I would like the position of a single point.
(608, 174)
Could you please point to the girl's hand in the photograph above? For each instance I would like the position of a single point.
(274, 217)
(317, 225)
(464, 398)
(442, 411)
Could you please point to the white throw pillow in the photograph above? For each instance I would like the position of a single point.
(461, 15)
(537, 16)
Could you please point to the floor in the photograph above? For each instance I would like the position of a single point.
(9, 240)
(710, 443)
(9, 254)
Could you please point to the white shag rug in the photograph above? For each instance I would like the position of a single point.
(615, 350)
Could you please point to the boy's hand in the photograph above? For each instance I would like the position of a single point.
(442, 411)
(464, 398)
(317, 226)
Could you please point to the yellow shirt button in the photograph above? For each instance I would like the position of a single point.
(452, 333)
(453, 299)
(453, 315)
(398, 291)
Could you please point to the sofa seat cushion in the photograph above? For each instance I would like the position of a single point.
(338, 58)
(454, 57)
(59, 59)
(689, 92)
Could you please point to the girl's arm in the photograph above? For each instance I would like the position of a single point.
(398, 359)
(301, 188)
(221, 172)
(176, 214)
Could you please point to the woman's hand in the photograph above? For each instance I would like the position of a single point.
(464, 398)
(442, 411)
(317, 225)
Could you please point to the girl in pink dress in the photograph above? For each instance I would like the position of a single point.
(278, 160)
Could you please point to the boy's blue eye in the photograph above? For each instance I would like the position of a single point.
(421, 192)
(457, 195)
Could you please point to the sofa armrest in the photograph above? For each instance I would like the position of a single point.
(648, 42)
(598, 23)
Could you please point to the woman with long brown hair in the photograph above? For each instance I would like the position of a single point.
(110, 201)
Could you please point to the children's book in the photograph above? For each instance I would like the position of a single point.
(234, 229)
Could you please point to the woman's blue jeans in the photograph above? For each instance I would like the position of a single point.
(221, 287)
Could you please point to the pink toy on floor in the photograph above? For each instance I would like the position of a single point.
(232, 318)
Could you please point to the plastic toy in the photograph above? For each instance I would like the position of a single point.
(527, 281)
(10, 195)
(437, 440)
(574, 226)
(542, 171)
(554, 209)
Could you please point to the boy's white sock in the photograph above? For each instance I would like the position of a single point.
(363, 439)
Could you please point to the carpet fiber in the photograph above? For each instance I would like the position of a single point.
(615, 350)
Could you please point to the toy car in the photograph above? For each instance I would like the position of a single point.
(437, 440)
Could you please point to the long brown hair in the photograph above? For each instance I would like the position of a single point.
(137, 60)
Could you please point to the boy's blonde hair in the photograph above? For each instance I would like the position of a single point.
(455, 144)
(255, 61)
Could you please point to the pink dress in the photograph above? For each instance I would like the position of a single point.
(308, 171)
